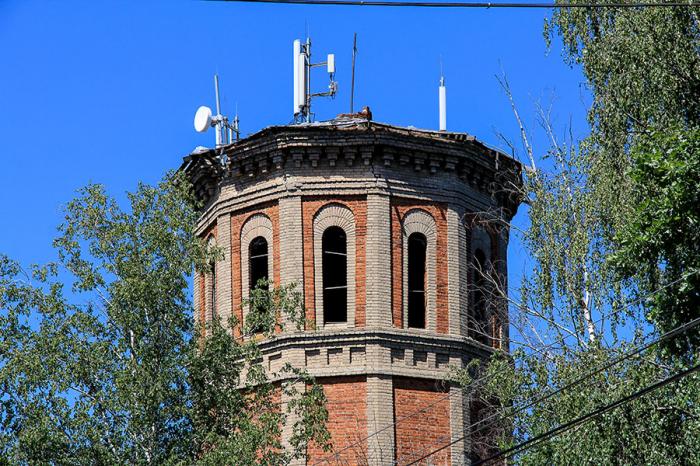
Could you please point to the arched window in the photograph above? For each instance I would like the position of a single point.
(257, 261)
(417, 246)
(258, 270)
(479, 329)
(335, 280)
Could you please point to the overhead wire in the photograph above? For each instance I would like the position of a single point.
(638, 350)
(588, 416)
(482, 5)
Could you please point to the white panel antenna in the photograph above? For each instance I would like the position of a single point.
(297, 53)
(442, 96)
(302, 90)
(302, 80)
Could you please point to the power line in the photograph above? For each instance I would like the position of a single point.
(571, 424)
(587, 417)
(483, 5)
(639, 349)
(474, 383)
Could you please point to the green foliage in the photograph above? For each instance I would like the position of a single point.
(571, 281)
(642, 66)
(616, 219)
(643, 69)
(661, 243)
(113, 372)
(661, 428)
(246, 424)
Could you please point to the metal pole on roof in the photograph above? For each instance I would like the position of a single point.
(352, 79)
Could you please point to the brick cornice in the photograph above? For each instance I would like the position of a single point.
(364, 143)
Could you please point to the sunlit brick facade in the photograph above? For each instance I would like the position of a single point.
(376, 226)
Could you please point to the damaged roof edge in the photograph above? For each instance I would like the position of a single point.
(363, 124)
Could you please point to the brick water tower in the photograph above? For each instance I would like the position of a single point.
(376, 224)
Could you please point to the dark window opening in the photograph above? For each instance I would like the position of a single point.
(257, 256)
(417, 245)
(478, 325)
(335, 275)
(258, 270)
(213, 290)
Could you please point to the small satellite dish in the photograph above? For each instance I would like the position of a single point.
(202, 119)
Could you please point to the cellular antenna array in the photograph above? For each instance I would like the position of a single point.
(302, 80)
(225, 130)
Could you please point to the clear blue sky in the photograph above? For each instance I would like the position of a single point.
(105, 91)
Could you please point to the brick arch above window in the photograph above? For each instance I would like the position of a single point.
(419, 221)
(334, 214)
(257, 225)
(338, 215)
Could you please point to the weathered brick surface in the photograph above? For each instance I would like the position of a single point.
(417, 434)
(358, 206)
(399, 208)
(373, 368)
(347, 421)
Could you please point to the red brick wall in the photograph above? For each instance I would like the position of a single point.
(237, 221)
(358, 206)
(264, 405)
(420, 433)
(347, 421)
(399, 208)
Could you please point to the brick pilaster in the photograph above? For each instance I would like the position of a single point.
(291, 240)
(380, 415)
(378, 252)
(223, 269)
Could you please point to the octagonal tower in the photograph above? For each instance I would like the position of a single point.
(375, 223)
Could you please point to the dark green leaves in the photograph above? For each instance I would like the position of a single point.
(661, 243)
(113, 372)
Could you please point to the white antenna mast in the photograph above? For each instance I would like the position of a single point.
(219, 118)
(442, 97)
(204, 119)
(302, 80)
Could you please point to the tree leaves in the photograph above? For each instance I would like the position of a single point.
(114, 372)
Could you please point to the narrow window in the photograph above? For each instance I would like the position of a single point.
(257, 258)
(479, 328)
(335, 275)
(211, 243)
(416, 280)
(213, 290)
(257, 271)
